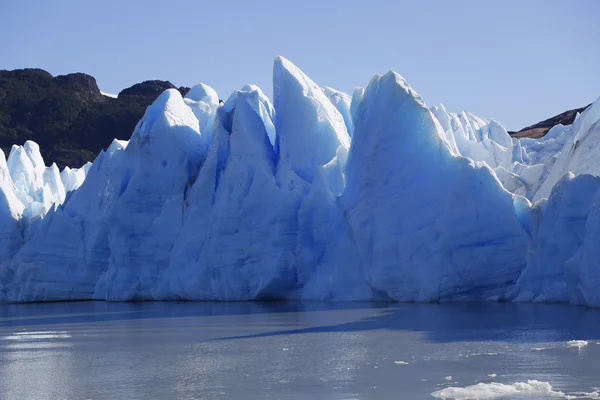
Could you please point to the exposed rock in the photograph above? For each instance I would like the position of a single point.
(538, 130)
(68, 115)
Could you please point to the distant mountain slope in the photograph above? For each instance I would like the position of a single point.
(67, 115)
(538, 130)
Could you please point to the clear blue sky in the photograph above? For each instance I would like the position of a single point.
(516, 61)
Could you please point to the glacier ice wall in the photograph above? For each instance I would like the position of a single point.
(562, 261)
(320, 196)
(238, 232)
(417, 210)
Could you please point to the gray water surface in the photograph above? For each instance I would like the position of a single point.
(96, 350)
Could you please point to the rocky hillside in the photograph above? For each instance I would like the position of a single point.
(538, 130)
(67, 115)
(72, 120)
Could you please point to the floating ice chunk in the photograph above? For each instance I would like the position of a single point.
(585, 395)
(401, 362)
(577, 343)
(492, 375)
(498, 390)
(448, 378)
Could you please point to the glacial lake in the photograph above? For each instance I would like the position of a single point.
(288, 350)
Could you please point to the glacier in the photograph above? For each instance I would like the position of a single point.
(320, 195)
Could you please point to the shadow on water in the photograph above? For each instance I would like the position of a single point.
(525, 323)
(28, 314)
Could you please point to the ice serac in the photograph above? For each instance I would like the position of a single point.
(327, 260)
(203, 101)
(558, 234)
(28, 175)
(313, 145)
(583, 266)
(357, 95)
(112, 239)
(72, 178)
(239, 228)
(310, 129)
(446, 123)
(29, 190)
(11, 209)
(51, 177)
(580, 153)
(69, 251)
(342, 103)
(562, 262)
(521, 165)
(160, 163)
(242, 219)
(39, 188)
(417, 211)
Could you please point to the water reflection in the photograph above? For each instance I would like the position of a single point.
(37, 335)
(288, 350)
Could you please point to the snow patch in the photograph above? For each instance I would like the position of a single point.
(114, 96)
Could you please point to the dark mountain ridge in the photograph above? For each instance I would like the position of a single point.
(67, 115)
(72, 120)
(538, 130)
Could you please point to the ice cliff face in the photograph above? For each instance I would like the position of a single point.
(416, 210)
(321, 196)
